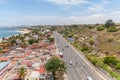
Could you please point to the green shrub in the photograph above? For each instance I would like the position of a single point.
(84, 48)
(91, 42)
(110, 39)
(100, 28)
(112, 29)
(110, 60)
(93, 59)
(117, 66)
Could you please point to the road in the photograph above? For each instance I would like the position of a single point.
(81, 67)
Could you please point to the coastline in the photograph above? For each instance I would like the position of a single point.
(22, 31)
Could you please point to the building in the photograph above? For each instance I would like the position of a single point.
(33, 76)
(4, 66)
(43, 73)
(38, 74)
(3, 59)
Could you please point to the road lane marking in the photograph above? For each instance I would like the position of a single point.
(85, 60)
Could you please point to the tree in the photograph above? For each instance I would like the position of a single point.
(31, 41)
(13, 41)
(52, 40)
(21, 72)
(55, 64)
(109, 23)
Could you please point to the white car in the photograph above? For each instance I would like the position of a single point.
(89, 78)
(70, 62)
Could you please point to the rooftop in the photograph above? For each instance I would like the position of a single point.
(42, 70)
(3, 64)
(35, 74)
(3, 59)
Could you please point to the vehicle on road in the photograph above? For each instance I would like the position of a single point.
(66, 46)
(89, 78)
(61, 55)
(70, 62)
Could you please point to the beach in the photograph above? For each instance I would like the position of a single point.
(22, 31)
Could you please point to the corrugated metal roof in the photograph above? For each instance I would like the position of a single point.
(4, 64)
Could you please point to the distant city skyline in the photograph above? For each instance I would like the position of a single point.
(58, 12)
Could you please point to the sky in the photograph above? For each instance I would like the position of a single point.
(58, 12)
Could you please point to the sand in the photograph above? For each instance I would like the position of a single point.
(23, 31)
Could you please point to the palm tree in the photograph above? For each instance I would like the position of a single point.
(21, 73)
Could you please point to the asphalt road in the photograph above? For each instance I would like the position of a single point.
(81, 67)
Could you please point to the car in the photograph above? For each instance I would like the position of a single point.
(67, 46)
(61, 55)
(89, 78)
(70, 62)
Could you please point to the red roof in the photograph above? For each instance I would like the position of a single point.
(42, 70)
(6, 50)
(4, 59)
(25, 62)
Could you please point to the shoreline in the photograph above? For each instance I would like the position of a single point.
(22, 31)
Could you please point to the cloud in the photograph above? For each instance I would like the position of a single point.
(115, 13)
(54, 20)
(59, 20)
(91, 19)
(67, 2)
(98, 7)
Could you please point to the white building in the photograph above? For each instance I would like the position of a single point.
(35, 75)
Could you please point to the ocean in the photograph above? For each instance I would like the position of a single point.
(7, 32)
